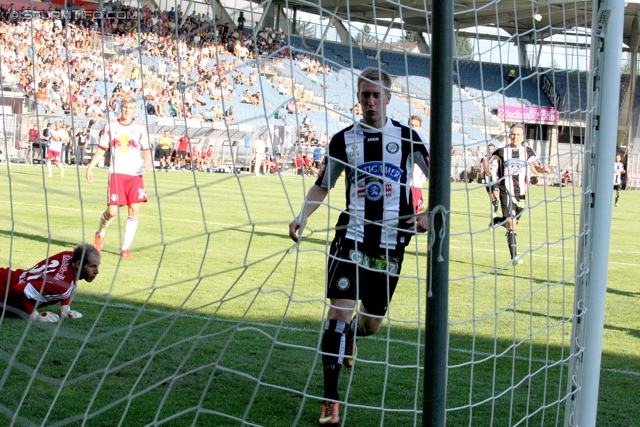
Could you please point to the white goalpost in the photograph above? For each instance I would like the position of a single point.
(218, 318)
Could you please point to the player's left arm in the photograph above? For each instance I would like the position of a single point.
(421, 221)
(540, 168)
(65, 311)
(535, 164)
(148, 161)
(146, 149)
(29, 294)
(420, 158)
(420, 152)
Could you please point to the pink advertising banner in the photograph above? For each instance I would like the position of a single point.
(528, 114)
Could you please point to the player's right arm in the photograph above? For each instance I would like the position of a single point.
(97, 156)
(315, 197)
(24, 298)
(103, 146)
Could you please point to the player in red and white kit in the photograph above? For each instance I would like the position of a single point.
(49, 282)
(207, 158)
(126, 139)
(415, 122)
(195, 158)
(58, 137)
(181, 154)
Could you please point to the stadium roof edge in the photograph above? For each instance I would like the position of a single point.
(473, 13)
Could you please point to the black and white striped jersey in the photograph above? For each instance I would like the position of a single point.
(514, 168)
(378, 166)
(618, 168)
(492, 172)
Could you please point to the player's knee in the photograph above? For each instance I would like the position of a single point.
(368, 330)
(368, 326)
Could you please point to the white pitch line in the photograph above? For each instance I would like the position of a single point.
(477, 248)
(315, 331)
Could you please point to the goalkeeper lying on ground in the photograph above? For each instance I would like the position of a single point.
(50, 281)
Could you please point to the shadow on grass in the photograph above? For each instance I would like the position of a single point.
(631, 331)
(125, 362)
(39, 238)
(614, 291)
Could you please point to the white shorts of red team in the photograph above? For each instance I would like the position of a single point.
(125, 190)
(53, 155)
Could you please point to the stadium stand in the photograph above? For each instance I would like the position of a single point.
(167, 78)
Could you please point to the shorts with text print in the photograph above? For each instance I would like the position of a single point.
(353, 275)
(125, 190)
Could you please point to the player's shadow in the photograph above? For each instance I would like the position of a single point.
(305, 238)
(623, 293)
(38, 238)
(633, 332)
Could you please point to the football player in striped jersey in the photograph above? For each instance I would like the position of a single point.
(515, 164)
(377, 156)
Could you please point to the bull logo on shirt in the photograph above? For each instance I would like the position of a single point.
(124, 143)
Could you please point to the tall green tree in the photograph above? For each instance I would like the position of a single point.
(464, 47)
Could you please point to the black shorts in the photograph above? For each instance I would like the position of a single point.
(355, 276)
(617, 187)
(512, 207)
(164, 153)
(181, 155)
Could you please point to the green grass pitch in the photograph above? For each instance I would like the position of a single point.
(217, 318)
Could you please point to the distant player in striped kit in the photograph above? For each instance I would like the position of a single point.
(377, 156)
(490, 169)
(126, 140)
(618, 170)
(515, 163)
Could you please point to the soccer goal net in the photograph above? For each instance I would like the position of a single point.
(217, 318)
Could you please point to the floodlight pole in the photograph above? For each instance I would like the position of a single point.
(437, 316)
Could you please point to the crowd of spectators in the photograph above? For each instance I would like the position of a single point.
(62, 64)
(56, 59)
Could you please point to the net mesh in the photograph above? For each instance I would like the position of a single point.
(218, 318)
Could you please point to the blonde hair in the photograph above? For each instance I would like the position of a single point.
(128, 99)
(518, 126)
(375, 74)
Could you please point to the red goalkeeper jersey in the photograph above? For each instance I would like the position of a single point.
(48, 282)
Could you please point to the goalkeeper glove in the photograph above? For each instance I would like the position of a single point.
(65, 311)
(44, 316)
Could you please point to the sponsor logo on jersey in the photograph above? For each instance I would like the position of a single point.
(374, 191)
(353, 151)
(343, 283)
(377, 169)
(513, 166)
(372, 139)
(63, 267)
(393, 147)
(123, 143)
